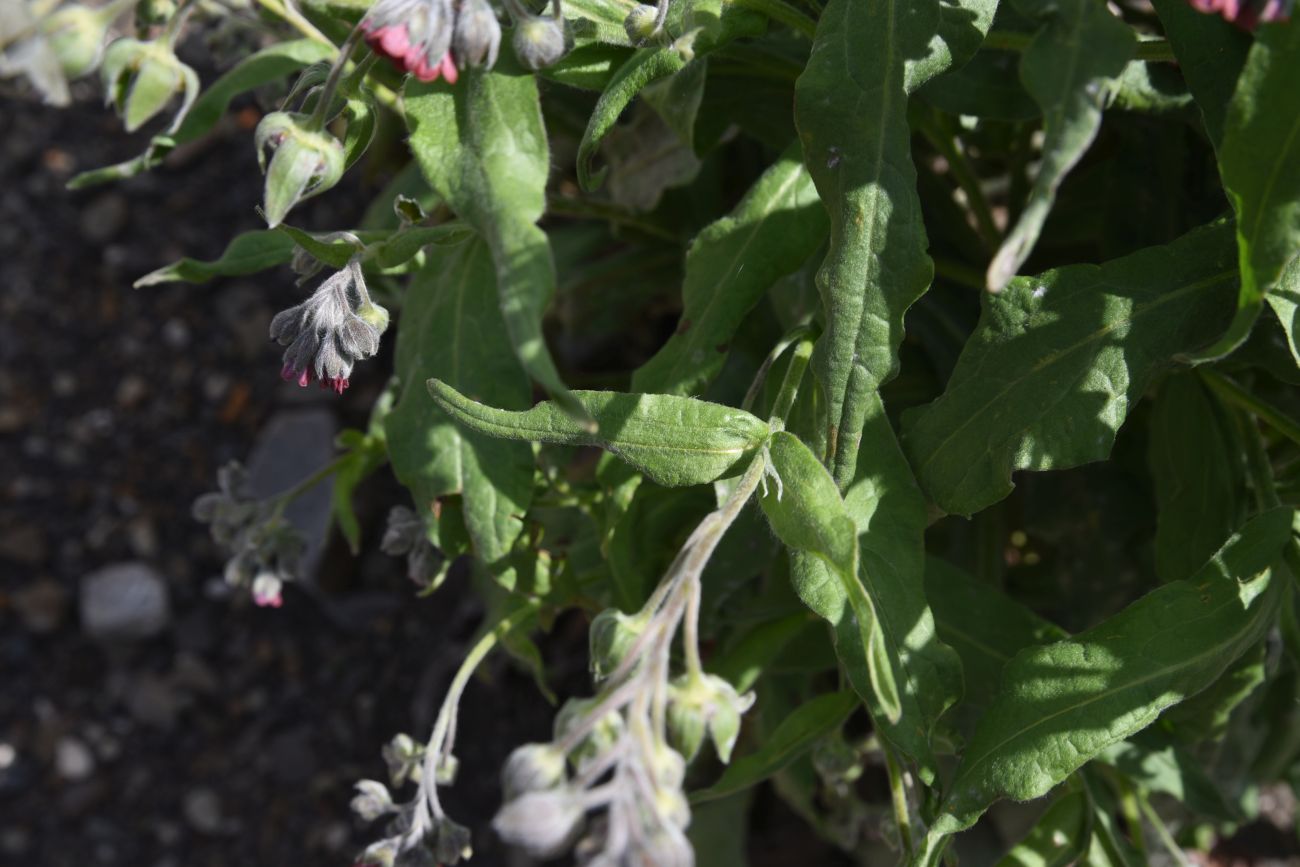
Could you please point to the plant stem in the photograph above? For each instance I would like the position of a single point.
(796, 334)
(284, 499)
(946, 143)
(898, 796)
(793, 377)
(289, 13)
(326, 96)
(1158, 825)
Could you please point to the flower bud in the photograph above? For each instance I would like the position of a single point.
(532, 768)
(304, 163)
(640, 23)
(152, 12)
(477, 37)
(452, 842)
(404, 758)
(543, 824)
(601, 736)
(701, 704)
(669, 768)
(611, 636)
(267, 590)
(372, 800)
(538, 41)
(140, 78)
(76, 36)
(381, 854)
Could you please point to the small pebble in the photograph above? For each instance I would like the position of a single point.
(124, 601)
(202, 810)
(73, 760)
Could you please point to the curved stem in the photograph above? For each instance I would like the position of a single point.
(320, 113)
(290, 14)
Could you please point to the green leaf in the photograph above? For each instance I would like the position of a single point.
(1210, 52)
(1195, 461)
(985, 627)
(1058, 839)
(1064, 703)
(451, 327)
(677, 98)
(1285, 301)
(269, 64)
(1067, 69)
(1049, 375)
(851, 112)
(794, 736)
(1171, 769)
(806, 512)
(890, 515)
(367, 453)
(729, 266)
(1260, 164)
(245, 254)
(1205, 716)
(482, 147)
(674, 441)
(755, 651)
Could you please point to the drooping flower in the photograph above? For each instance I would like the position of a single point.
(329, 332)
(1246, 14)
(415, 35)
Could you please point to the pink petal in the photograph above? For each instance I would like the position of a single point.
(449, 70)
(394, 41)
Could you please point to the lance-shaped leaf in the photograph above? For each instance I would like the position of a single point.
(1195, 461)
(247, 253)
(1067, 69)
(1063, 703)
(807, 513)
(701, 26)
(1048, 376)
(451, 327)
(1285, 301)
(1210, 52)
(1260, 164)
(793, 736)
(675, 441)
(890, 516)
(851, 112)
(730, 264)
(482, 147)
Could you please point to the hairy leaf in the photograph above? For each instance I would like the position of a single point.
(245, 254)
(794, 736)
(890, 515)
(675, 441)
(1067, 69)
(729, 266)
(807, 514)
(1260, 164)
(851, 112)
(482, 147)
(451, 328)
(1063, 703)
(1049, 375)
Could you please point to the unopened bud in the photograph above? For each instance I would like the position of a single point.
(707, 703)
(477, 37)
(372, 800)
(404, 758)
(538, 41)
(304, 162)
(543, 824)
(601, 735)
(640, 23)
(76, 36)
(532, 768)
(374, 314)
(611, 636)
(153, 12)
(140, 78)
(452, 842)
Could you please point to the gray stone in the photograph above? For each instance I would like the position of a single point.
(202, 810)
(124, 601)
(293, 445)
(73, 759)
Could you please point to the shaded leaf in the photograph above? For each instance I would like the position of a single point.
(1171, 769)
(1049, 375)
(729, 266)
(794, 736)
(451, 327)
(247, 253)
(1067, 69)
(675, 441)
(1195, 462)
(1210, 52)
(1059, 838)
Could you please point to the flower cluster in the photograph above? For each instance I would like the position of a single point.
(329, 332)
(406, 535)
(264, 548)
(1246, 14)
(433, 39)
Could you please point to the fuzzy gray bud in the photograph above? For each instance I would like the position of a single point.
(611, 636)
(477, 37)
(532, 768)
(538, 42)
(372, 800)
(640, 23)
(543, 824)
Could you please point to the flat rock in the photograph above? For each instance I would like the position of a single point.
(124, 601)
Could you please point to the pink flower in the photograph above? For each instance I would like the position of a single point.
(1246, 14)
(267, 591)
(415, 36)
